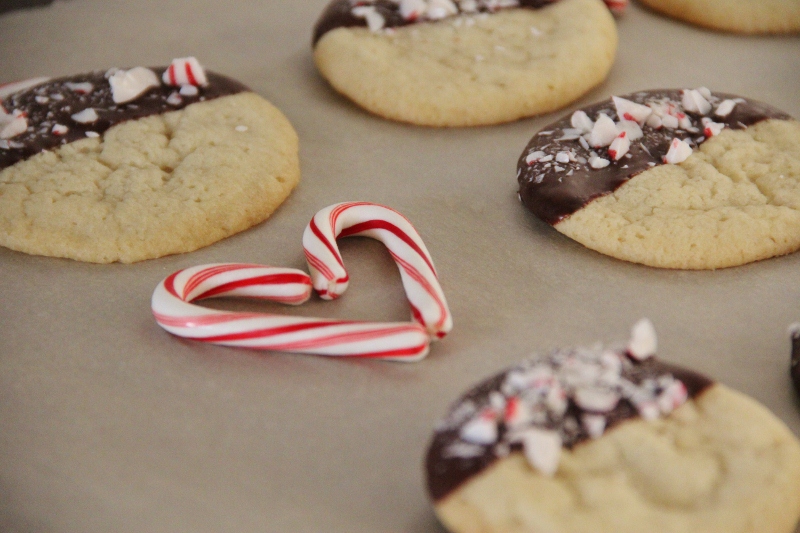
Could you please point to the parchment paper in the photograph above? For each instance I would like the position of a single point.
(107, 423)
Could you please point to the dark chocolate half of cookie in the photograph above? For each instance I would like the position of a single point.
(345, 13)
(53, 109)
(561, 171)
(794, 369)
(575, 395)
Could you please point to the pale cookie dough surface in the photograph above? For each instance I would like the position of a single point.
(736, 199)
(160, 185)
(721, 463)
(495, 68)
(740, 16)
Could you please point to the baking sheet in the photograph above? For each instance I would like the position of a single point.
(107, 423)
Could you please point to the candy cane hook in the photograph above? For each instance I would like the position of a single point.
(420, 281)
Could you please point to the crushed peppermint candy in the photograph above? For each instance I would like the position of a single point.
(385, 15)
(679, 151)
(7, 89)
(59, 129)
(185, 72)
(80, 88)
(547, 404)
(87, 116)
(128, 85)
(12, 124)
(612, 141)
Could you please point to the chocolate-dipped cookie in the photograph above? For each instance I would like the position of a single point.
(611, 440)
(464, 62)
(126, 165)
(670, 178)
(737, 16)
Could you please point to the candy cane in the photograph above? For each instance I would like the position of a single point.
(420, 281)
(617, 7)
(173, 310)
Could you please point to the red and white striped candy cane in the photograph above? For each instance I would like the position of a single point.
(185, 71)
(420, 281)
(617, 7)
(173, 310)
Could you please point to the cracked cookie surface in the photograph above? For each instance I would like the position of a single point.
(164, 184)
(473, 69)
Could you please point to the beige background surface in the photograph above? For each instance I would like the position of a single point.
(109, 424)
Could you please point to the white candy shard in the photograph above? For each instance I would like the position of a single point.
(186, 71)
(598, 162)
(174, 99)
(649, 410)
(8, 89)
(87, 116)
(695, 102)
(679, 151)
(581, 122)
(59, 129)
(562, 157)
(628, 110)
(604, 132)
(556, 400)
(725, 107)
(439, 9)
(128, 85)
(375, 21)
(188, 90)
(412, 9)
(670, 122)
(643, 343)
(594, 425)
(705, 91)
(80, 88)
(481, 429)
(596, 400)
(672, 397)
(534, 157)
(633, 129)
(542, 449)
(711, 128)
(619, 147)
(12, 124)
(654, 121)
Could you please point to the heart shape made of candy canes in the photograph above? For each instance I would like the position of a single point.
(401, 341)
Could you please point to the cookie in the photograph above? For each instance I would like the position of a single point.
(128, 165)
(464, 63)
(683, 179)
(739, 16)
(612, 440)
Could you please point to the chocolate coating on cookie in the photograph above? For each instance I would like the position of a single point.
(339, 13)
(53, 104)
(795, 364)
(576, 394)
(555, 187)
